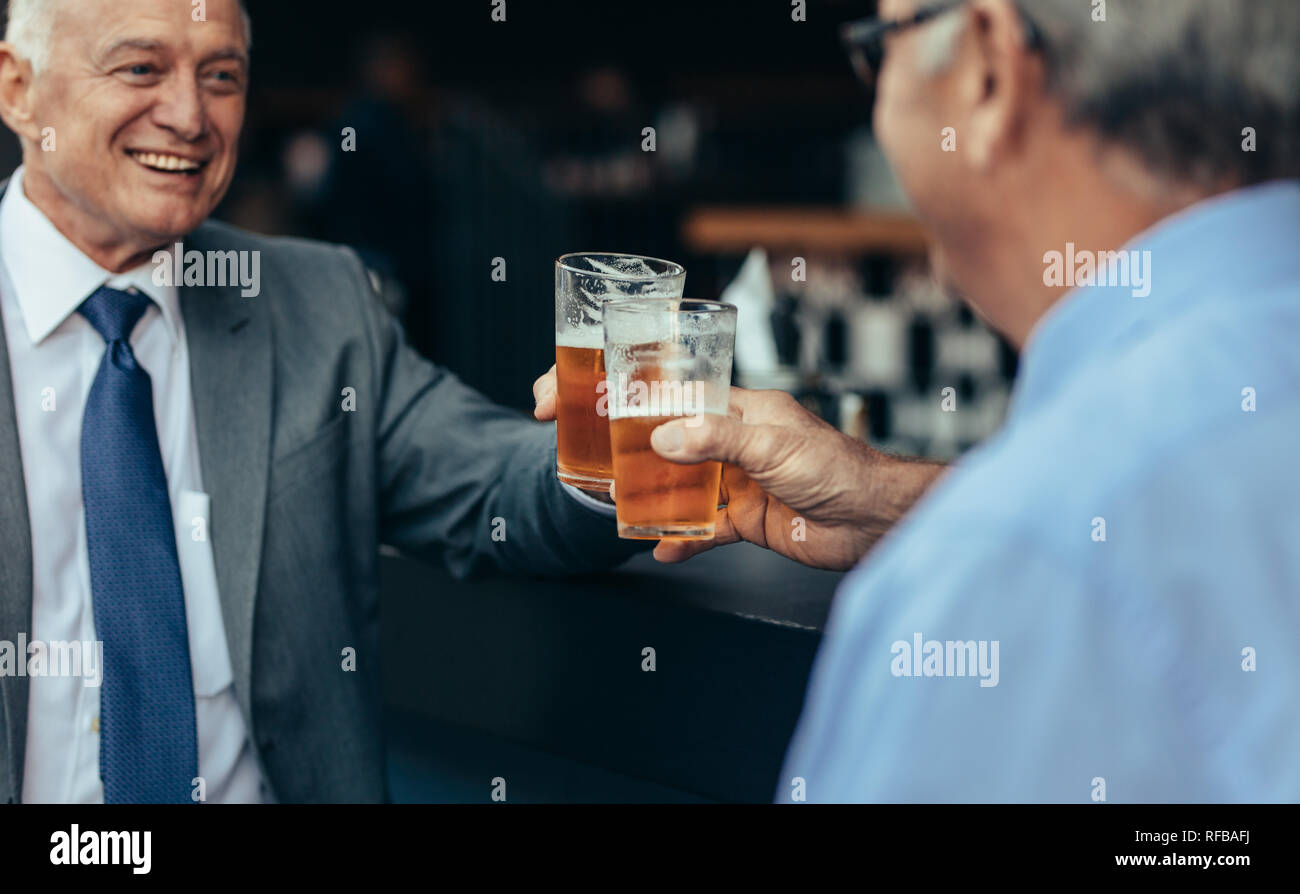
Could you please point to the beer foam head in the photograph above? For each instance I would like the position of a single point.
(668, 357)
(584, 281)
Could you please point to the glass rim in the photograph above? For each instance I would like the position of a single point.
(674, 269)
(657, 305)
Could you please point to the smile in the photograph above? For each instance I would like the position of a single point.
(167, 164)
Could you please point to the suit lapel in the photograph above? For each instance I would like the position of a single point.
(229, 340)
(15, 571)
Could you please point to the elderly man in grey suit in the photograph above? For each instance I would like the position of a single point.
(195, 476)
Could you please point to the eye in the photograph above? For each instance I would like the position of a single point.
(139, 72)
(225, 79)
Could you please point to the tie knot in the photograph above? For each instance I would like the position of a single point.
(114, 313)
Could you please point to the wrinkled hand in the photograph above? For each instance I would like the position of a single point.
(791, 482)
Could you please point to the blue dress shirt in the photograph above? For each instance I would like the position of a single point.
(1106, 594)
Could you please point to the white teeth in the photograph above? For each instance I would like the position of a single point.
(166, 162)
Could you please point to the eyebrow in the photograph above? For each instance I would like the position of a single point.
(228, 53)
(154, 46)
(131, 44)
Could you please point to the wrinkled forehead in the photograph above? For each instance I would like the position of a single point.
(102, 27)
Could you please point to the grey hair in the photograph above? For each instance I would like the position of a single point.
(31, 22)
(1177, 82)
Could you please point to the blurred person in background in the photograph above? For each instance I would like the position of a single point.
(380, 201)
(1099, 603)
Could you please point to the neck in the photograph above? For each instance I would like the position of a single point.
(105, 247)
(1098, 201)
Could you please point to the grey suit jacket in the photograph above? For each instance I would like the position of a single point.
(303, 493)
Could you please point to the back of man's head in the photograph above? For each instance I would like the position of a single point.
(1203, 91)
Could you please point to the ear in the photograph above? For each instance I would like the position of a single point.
(15, 93)
(1000, 77)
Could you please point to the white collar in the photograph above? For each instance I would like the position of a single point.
(51, 276)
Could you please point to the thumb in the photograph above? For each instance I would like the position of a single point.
(693, 439)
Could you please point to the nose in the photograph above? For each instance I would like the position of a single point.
(181, 109)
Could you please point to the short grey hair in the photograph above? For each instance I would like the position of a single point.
(30, 23)
(1177, 81)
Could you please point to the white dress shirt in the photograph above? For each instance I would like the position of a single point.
(54, 356)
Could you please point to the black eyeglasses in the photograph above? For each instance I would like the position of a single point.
(865, 38)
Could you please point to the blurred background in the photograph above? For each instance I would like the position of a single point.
(435, 140)
(472, 140)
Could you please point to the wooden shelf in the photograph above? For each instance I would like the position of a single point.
(736, 229)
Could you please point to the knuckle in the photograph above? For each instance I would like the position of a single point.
(785, 400)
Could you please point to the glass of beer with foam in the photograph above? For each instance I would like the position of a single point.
(583, 282)
(665, 359)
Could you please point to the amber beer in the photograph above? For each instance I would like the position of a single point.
(656, 494)
(665, 360)
(582, 424)
(584, 281)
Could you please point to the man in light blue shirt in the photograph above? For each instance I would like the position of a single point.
(1130, 541)
(1102, 602)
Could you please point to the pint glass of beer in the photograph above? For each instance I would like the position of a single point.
(665, 359)
(583, 282)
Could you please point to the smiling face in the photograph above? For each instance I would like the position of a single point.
(144, 106)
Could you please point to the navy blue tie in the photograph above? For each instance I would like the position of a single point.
(148, 750)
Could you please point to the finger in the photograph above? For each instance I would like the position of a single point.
(754, 448)
(544, 396)
(545, 384)
(724, 531)
(739, 398)
(734, 483)
(670, 552)
(746, 402)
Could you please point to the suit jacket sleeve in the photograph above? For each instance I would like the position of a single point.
(465, 480)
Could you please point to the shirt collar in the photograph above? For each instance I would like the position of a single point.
(52, 277)
(1219, 249)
